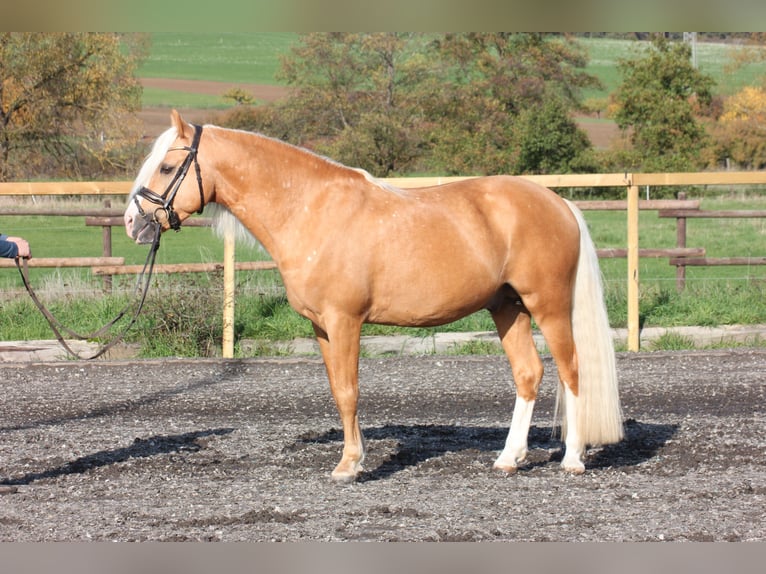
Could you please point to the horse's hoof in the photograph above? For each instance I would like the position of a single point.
(574, 468)
(343, 478)
(346, 475)
(505, 468)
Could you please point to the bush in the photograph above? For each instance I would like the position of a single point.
(739, 133)
(182, 317)
(549, 141)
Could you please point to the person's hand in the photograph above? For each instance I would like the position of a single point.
(23, 246)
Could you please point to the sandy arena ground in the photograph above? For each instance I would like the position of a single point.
(241, 450)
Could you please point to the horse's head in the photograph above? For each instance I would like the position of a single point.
(163, 196)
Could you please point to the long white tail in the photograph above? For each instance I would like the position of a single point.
(599, 416)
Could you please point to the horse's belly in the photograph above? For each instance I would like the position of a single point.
(427, 302)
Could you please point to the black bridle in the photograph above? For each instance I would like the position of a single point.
(165, 201)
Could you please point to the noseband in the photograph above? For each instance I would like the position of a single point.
(165, 201)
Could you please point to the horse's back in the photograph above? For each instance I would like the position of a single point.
(511, 215)
(451, 250)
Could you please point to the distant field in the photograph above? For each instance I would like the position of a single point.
(712, 59)
(251, 61)
(222, 57)
(253, 58)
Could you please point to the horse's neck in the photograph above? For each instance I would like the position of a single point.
(271, 186)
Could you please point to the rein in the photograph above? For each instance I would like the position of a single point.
(56, 325)
(165, 203)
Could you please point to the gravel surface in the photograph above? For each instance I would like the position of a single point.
(242, 451)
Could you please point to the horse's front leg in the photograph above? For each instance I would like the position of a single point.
(339, 344)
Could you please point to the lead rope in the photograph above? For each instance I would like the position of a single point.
(56, 325)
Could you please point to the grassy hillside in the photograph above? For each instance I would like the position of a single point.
(712, 58)
(247, 58)
(222, 57)
(254, 58)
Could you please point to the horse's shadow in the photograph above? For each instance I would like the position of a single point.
(415, 444)
(140, 448)
(419, 443)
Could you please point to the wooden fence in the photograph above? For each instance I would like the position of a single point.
(680, 255)
(681, 214)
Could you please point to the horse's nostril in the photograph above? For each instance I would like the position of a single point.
(129, 225)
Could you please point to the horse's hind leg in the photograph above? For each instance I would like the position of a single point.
(514, 326)
(557, 330)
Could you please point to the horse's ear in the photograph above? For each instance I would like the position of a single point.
(182, 128)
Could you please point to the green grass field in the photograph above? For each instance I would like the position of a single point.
(712, 59)
(251, 58)
(224, 57)
(254, 58)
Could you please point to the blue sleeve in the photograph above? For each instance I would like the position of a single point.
(8, 248)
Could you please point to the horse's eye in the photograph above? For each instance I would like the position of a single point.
(166, 169)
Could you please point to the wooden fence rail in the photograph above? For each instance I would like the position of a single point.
(681, 214)
(66, 262)
(119, 269)
(681, 209)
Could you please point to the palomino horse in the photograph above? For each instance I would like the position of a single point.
(353, 250)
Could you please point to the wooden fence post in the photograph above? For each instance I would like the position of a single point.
(106, 251)
(633, 315)
(681, 242)
(228, 293)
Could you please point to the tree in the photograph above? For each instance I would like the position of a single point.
(239, 96)
(549, 140)
(488, 83)
(740, 132)
(393, 102)
(656, 102)
(354, 99)
(66, 98)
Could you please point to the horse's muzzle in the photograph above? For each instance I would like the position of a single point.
(140, 227)
(147, 234)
